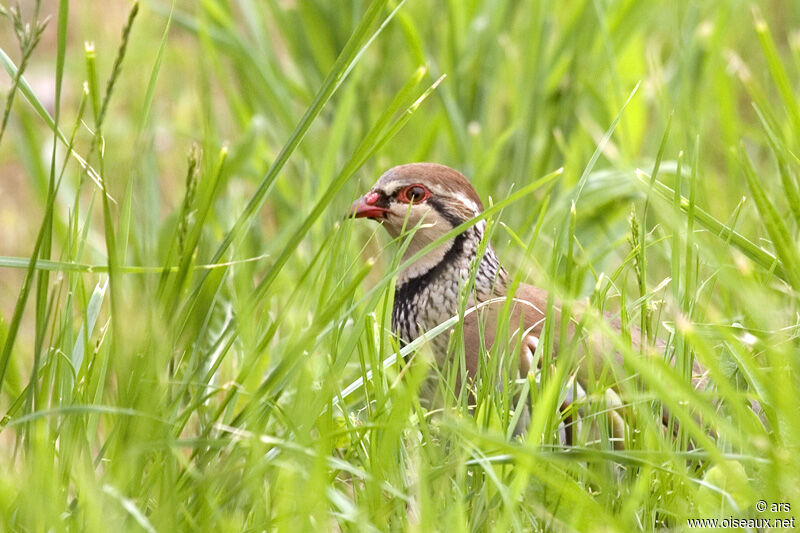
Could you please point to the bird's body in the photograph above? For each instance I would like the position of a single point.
(423, 301)
(427, 292)
(430, 200)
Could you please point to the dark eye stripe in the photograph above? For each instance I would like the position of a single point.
(449, 216)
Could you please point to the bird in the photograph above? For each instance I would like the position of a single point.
(429, 200)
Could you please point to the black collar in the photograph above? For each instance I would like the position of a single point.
(413, 286)
(405, 292)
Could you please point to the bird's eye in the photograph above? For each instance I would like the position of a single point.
(414, 193)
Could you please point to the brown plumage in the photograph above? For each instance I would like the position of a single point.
(434, 199)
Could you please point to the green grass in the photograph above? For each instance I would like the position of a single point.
(193, 337)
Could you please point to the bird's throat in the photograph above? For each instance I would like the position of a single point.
(426, 267)
(428, 293)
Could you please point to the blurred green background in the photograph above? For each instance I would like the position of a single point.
(175, 359)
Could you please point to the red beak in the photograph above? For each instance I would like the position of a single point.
(365, 207)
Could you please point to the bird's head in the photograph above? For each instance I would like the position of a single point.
(435, 197)
(426, 198)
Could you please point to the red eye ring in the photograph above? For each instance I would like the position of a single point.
(414, 193)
